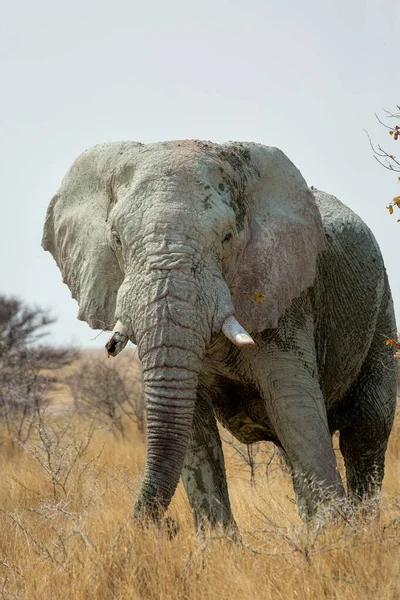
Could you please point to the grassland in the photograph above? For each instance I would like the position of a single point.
(66, 530)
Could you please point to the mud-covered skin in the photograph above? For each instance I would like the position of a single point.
(164, 243)
(350, 314)
(351, 277)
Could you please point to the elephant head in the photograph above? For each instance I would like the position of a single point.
(177, 242)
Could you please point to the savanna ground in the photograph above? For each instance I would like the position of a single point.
(66, 529)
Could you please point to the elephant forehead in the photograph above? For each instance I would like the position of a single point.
(177, 182)
(212, 173)
(158, 195)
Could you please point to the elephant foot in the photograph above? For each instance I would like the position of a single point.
(335, 510)
(207, 531)
(232, 533)
(366, 508)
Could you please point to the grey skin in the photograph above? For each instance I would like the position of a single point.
(163, 243)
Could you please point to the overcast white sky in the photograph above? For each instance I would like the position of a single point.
(304, 76)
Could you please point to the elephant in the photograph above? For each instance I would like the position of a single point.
(254, 301)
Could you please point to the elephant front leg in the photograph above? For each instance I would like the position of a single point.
(204, 475)
(287, 376)
(297, 413)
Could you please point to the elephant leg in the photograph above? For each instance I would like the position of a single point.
(204, 474)
(303, 501)
(287, 374)
(364, 459)
(363, 443)
(296, 410)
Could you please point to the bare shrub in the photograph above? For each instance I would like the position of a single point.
(253, 457)
(59, 447)
(28, 369)
(108, 393)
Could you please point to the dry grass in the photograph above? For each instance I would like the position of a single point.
(67, 533)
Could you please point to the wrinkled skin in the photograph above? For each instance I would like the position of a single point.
(170, 240)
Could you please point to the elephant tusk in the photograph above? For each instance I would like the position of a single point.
(235, 333)
(118, 340)
(120, 328)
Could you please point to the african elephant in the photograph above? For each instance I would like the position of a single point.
(187, 248)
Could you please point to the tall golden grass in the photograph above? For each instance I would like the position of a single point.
(66, 529)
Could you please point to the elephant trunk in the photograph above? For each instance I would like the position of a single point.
(171, 336)
(170, 400)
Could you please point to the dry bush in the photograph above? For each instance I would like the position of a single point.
(28, 369)
(67, 531)
(109, 393)
(248, 459)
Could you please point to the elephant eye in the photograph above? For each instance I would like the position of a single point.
(227, 237)
(116, 239)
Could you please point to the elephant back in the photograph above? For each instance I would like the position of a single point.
(350, 288)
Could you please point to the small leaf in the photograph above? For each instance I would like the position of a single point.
(391, 132)
(390, 209)
(389, 342)
(259, 297)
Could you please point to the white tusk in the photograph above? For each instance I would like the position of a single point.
(119, 328)
(118, 340)
(235, 332)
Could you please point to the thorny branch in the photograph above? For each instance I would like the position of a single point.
(384, 158)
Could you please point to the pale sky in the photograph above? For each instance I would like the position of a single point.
(304, 76)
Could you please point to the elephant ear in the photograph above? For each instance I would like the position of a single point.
(75, 230)
(285, 236)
